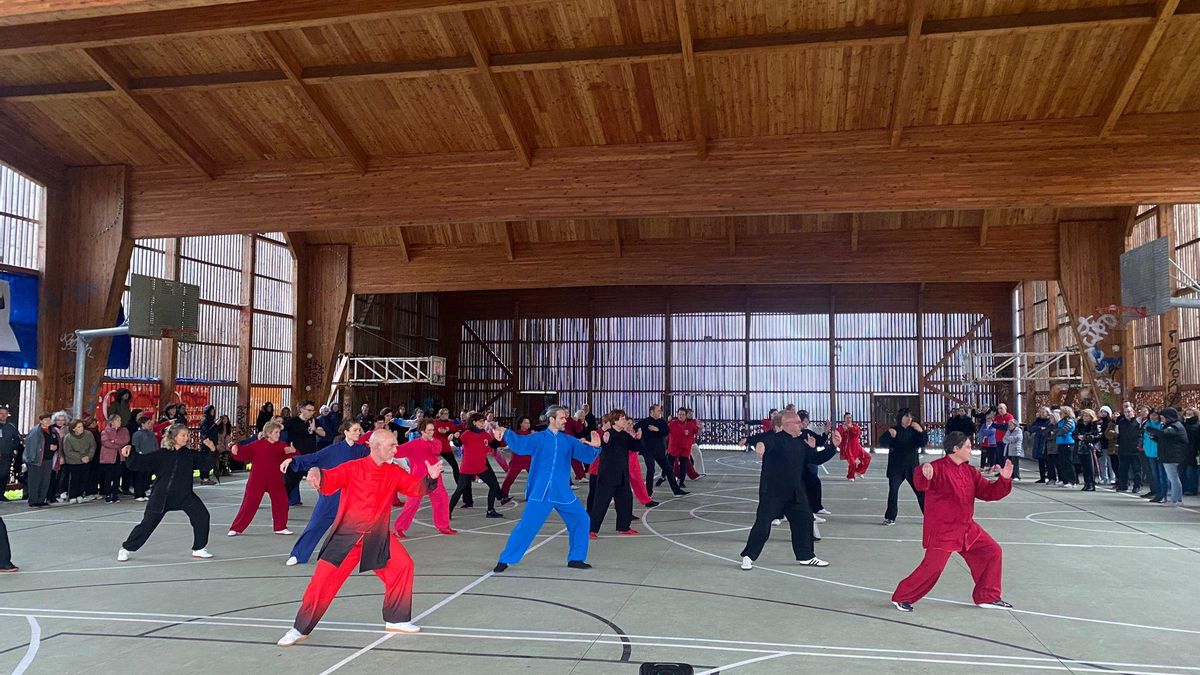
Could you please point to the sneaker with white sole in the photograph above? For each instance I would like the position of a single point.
(201, 553)
(819, 519)
(402, 627)
(998, 604)
(824, 512)
(291, 637)
(777, 521)
(887, 522)
(813, 562)
(122, 556)
(903, 606)
(284, 531)
(747, 563)
(232, 533)
(291, 561)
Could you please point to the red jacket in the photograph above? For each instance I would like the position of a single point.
(364, 513)
(950, 503)
(475, 450)
(418, 452)
(681, 437)
(442, 431)
(851, 445)
(1000, 422)
(264, 457)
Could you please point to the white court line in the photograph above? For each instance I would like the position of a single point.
(844, 584)
(731, 666)
(35, 641)
(124, 566)
(551, 636)
(431, 610)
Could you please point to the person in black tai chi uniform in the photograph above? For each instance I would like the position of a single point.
(786, 456)
(904, 442)
(613, 481)
(172, 491)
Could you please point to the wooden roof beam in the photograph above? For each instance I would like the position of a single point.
(618, 243)
(283, 55)
(695, 95)
(402, 244)
(1164, 10)
(491, 92)
(506, 235)
(152, 112)
(855, 228)
(907, 72)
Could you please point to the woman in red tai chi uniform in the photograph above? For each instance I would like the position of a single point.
(264, 455)
(951, 486)
(857, 458)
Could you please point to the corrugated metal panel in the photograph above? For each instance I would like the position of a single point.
(223, 248)
(875, 325)
(273, 296)
(722, 326)
(1149, 366)
(207, 362)
(273, 332)
(270, 367)
(218, 324)
(20, 196)
(216, 283)
(18, 242)
(773, 326)
(273, 260)
(224, 398)
(144, 361)
(147, 261)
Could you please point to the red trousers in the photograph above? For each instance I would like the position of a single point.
(984, 558)
(439, 501)
(857, 463)
(579, 469)
(256, 487)
(328, 578)
(691, 467)
(635, 479)
(518, 464)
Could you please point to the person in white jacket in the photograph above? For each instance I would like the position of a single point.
(1013, 449)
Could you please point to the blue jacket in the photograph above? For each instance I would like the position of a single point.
(1149, 443)
(550, 463)
(1065, 432)
(327, 458)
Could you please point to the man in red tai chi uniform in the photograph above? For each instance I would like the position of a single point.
(951, 486)
(361, 535)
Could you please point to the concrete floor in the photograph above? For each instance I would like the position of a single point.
(1101, 582)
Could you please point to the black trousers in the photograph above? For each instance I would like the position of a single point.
(605, 493)
(1048, 468)
(800, 520)
(812, 485)
(5, 550)
(1129, 472)
(1066, 465)
(196, 512)
(95, 477)
(141, 483)
(894, 483)
(77, 477)
(659, 457)
(1089, 470)
(37, 482)
(464, 483)
(467, 498)
(112, 479)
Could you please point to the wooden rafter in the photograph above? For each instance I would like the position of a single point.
(1164, 10)
(506, 234)
(152, 112)
(855, 228)
(402, 242)
(320, 109)
(1124, 15)
(907, 72)
(618, 243)
(695, 94)
(491, 95)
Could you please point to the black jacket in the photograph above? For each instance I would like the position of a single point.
(903, 450)
(10, 440)
(1192, 426)
(784, 465)
(653, 441)
(173, 469)
(614, 458)
(962, 423)
(1129, 435)
(1173, 445)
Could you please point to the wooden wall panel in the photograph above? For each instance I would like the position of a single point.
(896, 256)
(984, 166)
(322, 303)
(1090, 279)
(88, 257)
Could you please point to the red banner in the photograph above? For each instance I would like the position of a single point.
(145, 396)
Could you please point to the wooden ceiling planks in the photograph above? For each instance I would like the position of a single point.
(557, 26)
(1171, 83)
(389, 40)
(88, 131)
(720, 18)
(182, 56)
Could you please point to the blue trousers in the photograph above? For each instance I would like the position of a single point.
(318, 524)
(536, 512)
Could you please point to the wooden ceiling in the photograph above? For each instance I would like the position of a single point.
(530, 121)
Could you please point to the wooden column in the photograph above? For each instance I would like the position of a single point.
(1090, 280)
(168, 361)
(450, 345)
(243, 418)
(322, 303)
(832, 356)
(1168, 324)
(746, 416)
(88, 252)
(1029, 400)
(924, 414)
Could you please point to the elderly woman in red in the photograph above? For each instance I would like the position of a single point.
(951, 487)
(857, 458)
(264, 455)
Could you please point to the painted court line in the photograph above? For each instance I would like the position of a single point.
(35, 641)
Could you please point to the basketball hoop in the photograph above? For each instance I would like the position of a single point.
(181, 334)
(1125, 313)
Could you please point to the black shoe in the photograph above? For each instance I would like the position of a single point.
(1043, 480)
(1156, 500)
(500, 567)
(494, 514)
(579, 565)
(681, 493)
(505, 500)
(903, 606)
(659, 482)
(998, 604)
(1148, 495)
(651, 504)
(9, 569)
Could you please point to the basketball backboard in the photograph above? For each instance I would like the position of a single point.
(1146, 277)
(159, 308)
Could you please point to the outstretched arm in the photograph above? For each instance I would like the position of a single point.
(990, 491)
(518, 444)
(585, 452)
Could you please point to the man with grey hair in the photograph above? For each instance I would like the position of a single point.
(549, 487)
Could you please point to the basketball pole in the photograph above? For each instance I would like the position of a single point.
(82, 339)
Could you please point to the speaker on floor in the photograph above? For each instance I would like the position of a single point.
(657, 668)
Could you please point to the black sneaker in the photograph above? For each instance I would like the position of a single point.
(500, 567)
(682, 493)
(505, 500)
(494, 514)
(887, 522)
(651, 504)
(1043, 480)
(903, 606)
(579, 565)
(998, 604)
(659, 482)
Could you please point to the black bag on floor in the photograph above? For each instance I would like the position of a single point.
(656, 668)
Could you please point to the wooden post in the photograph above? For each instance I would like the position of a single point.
(323, 300)
(1168, 324)
(168, 351)
(243, 418)
(514, 360)
(87, 231)
(746, 353)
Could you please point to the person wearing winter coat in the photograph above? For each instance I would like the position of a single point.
(1014, 440)
(78, 449)
(1047, 471)
(1129, 444)
(1188, 473)
(1064, 441)
(41, 445)
(1089, 436)
(113, 440)
(1173, 450)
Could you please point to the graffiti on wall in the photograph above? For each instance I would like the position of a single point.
(1093, 330)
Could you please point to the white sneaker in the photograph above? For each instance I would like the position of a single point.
(79, 500)
(284, 531)
(747, 563)
(122, 556)
(850, 479)
(140, 499)
(814, 562)
(777, 521)
(291, 637)
(232, 533)
(825, 512)
(402, 627)
(819, 519)
(202, 553)
(62, 497)
(292, 561)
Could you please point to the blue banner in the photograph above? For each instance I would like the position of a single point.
(19, 324)
(18, 319)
